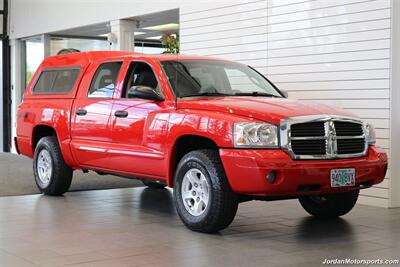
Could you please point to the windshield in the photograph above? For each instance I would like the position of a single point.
(214, 78)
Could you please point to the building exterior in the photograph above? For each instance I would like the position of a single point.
(1, 102)
(341, 53)
(3, 33)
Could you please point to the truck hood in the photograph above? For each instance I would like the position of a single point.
(261, 108)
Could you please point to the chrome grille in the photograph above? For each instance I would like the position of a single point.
(350, 146)
(308, 129)
(344, 128)
(309, 147)
(323, 137)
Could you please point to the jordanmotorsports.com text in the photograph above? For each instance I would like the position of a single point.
(349, 261)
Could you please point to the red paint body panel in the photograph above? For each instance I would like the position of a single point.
(91, 134)
(247, 170)
(260, 108)
(54, 113)
(142, 144)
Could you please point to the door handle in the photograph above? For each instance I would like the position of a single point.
(121, 113)
(81, 112)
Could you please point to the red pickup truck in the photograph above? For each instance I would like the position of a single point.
(216, 131)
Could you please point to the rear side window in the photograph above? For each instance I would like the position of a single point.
(56, 81)
(104, 80)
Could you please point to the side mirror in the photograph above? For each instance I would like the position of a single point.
(144, 92)
(284, 93)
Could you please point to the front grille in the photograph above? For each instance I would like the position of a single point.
(328, 137)
(344, 128)
(308, 129)
(309, 147)
(350, 146)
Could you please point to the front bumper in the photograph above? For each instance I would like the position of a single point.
(246, 170)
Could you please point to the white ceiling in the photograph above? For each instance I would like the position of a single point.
(154, 19)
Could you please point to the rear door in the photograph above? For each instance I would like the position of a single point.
(90, 128)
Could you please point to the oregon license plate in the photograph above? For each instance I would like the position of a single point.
(343, 177)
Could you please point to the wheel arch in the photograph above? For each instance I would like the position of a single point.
(40, 131)
(183, 145)
(43, 130)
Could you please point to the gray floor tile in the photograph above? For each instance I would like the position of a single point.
(140, 227)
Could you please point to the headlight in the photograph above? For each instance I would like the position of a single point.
(252, 134)
(370, 132)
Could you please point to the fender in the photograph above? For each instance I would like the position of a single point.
(216, 126)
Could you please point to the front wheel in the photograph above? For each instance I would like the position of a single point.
(52, 175)
(329, 206)
(203, 197)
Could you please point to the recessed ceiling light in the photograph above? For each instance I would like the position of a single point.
(155, 37)
(163, 27)
(106, 34)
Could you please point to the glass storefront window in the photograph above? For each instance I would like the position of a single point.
(57, 44)
(34, 55)
(34, 49)
(142, 47)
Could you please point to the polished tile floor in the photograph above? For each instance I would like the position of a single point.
(16, 178)
(139, 227)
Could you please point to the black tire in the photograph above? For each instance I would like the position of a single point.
(61, 174)
(153, 185)
(222, 201)
(329, 206)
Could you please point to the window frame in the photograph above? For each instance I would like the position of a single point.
(127, 76)
(171, 88)
(56, 69)
(176, 97)
(116, 79)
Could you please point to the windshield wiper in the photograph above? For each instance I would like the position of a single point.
(207, 94)
(255, 93)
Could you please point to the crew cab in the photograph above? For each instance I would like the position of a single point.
(217, 132)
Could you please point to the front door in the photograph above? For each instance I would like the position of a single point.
(91, 126)
(139, 126)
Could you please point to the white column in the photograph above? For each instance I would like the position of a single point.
(16, 83)
(123, 35)
(394, 193)
(46, 45)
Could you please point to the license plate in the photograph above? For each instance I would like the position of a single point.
(343, 177)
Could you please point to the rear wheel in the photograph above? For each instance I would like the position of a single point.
(153, 185)
(329, 206)
(203, 197)
(52, 175)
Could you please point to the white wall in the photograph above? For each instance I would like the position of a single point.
(235, 31)
(1, 97)
(395, 106)
(334, 52)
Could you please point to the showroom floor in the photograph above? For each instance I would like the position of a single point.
(16, 178)
(139, 227)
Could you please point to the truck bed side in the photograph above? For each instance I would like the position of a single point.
(45, 114)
